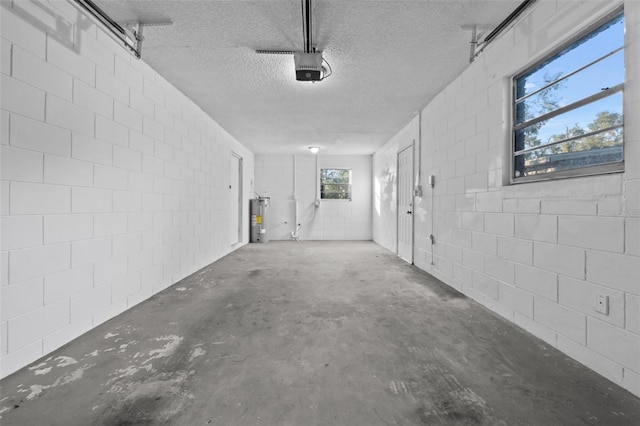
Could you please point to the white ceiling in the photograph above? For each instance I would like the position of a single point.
(389, 58)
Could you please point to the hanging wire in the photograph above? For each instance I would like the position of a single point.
(330, 70)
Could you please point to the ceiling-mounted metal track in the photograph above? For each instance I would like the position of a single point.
(308, 28)
(275, 52)
(307, 39)
(130, 39)
(309, 63)
(149, 23)
(307, 24)
(477, 46)
(525, 4)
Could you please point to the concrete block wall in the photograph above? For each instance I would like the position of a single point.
(334, 219)
(114, 184)
(536, 253)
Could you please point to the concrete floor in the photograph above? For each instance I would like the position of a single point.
(311, 333)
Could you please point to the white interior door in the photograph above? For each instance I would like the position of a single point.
(405, 204)
(235, 199)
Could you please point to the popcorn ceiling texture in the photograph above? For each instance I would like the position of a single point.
(383, 53)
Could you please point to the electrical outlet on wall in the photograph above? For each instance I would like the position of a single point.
(602, 303)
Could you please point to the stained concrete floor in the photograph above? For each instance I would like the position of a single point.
(310, 333)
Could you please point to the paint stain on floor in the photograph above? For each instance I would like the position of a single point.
(359, 339)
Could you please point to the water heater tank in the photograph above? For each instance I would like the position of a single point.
(258, 220)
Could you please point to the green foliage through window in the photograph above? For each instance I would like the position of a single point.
(568, 108)
(335, 184)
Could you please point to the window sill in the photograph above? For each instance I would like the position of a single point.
(574, 173)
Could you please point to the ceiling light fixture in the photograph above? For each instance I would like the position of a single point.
(314, 149)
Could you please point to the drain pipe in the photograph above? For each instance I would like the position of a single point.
(296, 225)
(418, 191)
(317, 200)
(295, 234)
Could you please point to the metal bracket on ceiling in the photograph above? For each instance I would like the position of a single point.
(275, 52)
(137, 26)
(130, 35)
(477, 31)
(476, 46)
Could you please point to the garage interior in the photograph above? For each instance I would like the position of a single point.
(439, 240)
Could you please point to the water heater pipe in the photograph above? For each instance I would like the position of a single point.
(317, 200)
(419, 171)
(295, 234)
(296, 225)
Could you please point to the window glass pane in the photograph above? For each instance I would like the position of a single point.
(335, 184)
(603, 40)
(335, 175)
(601, 114)
(335, 187)
(604, 74)
(335, 196)
(335, 191)
(602, 148)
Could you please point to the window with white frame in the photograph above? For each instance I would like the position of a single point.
(335, 184)
(567, 108)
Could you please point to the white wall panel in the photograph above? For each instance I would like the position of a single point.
(333, 219)
(543, 249)
(93, 222)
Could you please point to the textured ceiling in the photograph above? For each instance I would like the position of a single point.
(389, 59)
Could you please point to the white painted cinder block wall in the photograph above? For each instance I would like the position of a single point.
(535, 253)
(114, 184)
(334, 219)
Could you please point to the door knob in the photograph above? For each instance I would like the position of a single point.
(409, 212)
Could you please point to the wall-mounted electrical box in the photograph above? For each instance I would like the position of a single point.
(432, 180)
